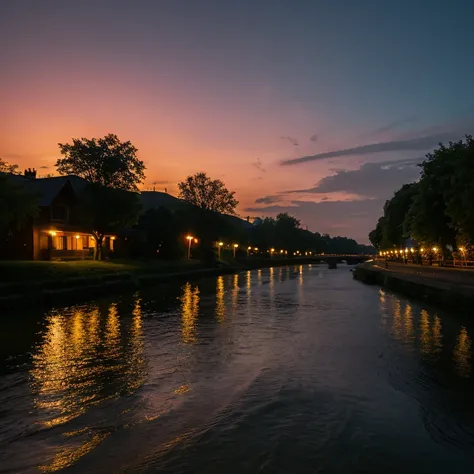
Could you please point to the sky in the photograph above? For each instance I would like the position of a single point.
(318, 108)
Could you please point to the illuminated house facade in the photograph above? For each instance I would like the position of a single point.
(56, 233)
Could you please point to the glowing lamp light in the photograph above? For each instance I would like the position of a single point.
(256, 249)
(249, 248)
(221, 244)
(189, 237)
(411, 250)
(236, 245)
(435, 249)
(461, 249)
(78, 237)
(422, 249)
(195, 240)
(112, 238)
(53, 233)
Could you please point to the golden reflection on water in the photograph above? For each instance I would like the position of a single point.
(259, 276)
(408, 328)
(189, 313)
(462, 354)
(235, 291)
(430, 335)
(84, 359)
(220, 303)
(67, 457)
(300, 270)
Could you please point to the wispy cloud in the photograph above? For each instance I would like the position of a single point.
(393, 125)
(267, 200)
(292, 140)
(370, 181)
(258, 165)
(413, 144)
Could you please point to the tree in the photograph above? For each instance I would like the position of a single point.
(16, 204)
(288, 232)
(7, 168)
(209, 194)
(107, 210)
(104, 161)
(376, 236)
(452, 167)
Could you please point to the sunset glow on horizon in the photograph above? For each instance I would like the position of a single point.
(233, 90)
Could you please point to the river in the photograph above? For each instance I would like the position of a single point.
(295, 369)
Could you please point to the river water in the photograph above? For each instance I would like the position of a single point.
(283, 370)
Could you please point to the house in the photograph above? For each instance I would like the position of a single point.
(56, 232)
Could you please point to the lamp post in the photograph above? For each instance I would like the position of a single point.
(271, 252)
(248, 250)
(219, 246)
(235, 248)
(190, 239)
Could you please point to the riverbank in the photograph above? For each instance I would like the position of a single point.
(422, 286)
(27, 283)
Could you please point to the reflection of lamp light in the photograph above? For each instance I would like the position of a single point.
(195, 241)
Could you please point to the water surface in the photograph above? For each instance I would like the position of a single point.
(294, 370)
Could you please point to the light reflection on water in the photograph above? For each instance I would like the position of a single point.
(130, 364)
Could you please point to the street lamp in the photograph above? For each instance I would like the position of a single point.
(235, 248)
(271, 252)
(248, 250)
(190, 239)
(219, 246)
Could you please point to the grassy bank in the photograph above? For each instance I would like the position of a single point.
(56, 283)
(30, 271)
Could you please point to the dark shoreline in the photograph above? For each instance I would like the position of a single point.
(434, 292)
(81, 289)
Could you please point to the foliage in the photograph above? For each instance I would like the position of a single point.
(107, 210)
(441, 209)
(162, 229)
(7, 168)
(285, 232)
(16, 204)
(104, 161)
(208, 194)
(452, 167)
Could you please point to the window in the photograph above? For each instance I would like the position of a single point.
(59, 213)
(61, 242)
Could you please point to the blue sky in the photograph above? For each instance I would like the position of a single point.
(235, 88)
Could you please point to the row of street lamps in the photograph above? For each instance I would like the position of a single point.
(191, 239)
(401, 252)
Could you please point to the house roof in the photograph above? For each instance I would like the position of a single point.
(48, 188)
(155, 199)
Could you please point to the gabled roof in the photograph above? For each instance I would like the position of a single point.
(155, 199)
(48, 188)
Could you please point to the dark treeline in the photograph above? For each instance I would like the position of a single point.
(106, 175)
(437, 211)
(163, 232)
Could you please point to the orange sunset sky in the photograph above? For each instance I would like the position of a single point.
(234, 89)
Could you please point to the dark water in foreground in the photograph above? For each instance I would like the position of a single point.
(284, 370)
